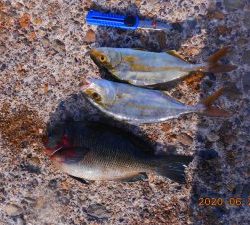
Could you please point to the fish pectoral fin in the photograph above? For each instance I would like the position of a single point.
(176, 54)
(81, 180)
(134, 178)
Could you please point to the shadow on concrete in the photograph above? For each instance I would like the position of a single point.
(76, 108)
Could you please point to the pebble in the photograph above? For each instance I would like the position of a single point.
(2, 49)
(12, 210)
(185, 139)
(53, 184)
(90, 36)
(45, 42)
(3, 67)
(35, 161)
(58, 45)
(40, 202)
(212, 137)
(30, 168)
(98, 211)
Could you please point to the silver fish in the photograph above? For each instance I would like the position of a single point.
(139, 105)
(95, 151)
(144, 68)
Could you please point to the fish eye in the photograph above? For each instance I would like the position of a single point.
(102, 58)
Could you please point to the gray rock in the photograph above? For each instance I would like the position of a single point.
(45, 42)
(98, 211)
(212, 137)
(58, 46)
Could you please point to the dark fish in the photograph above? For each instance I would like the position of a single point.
(100, 152)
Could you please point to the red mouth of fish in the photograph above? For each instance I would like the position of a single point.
(64, 143)
(61, 158)
(51, 151)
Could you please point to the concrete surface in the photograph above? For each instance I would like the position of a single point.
(43, 46)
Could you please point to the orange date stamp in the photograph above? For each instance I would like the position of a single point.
(233, 201)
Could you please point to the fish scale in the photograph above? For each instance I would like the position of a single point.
(141, 105)
(144, 68)
(135, 104)
(101, 152)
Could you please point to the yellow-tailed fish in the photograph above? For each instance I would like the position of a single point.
(140, 105)
(95, 151)
(144, 68)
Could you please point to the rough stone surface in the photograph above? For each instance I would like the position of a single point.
(12, 210)
(234, 4)
(44, 62)
(246, 57)
(246, 82)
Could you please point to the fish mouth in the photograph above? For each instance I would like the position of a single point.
(88, 87)
(51, 152)
(94, 54)
(86, 84)
(64, 143)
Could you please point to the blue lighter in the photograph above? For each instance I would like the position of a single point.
(128, 22)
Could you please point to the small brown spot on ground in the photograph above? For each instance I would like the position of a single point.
(24, 20)
(20, 128)
(193, 81)
(32, 36)
(223, 30)
(5, 21)
(37, 21)
(216, 15)
(90, 36)
(166, 127)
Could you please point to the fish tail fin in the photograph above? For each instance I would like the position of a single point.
(173, 167)
(214, 67)
(210, 110)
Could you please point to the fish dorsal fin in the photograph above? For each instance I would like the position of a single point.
(176, 54)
